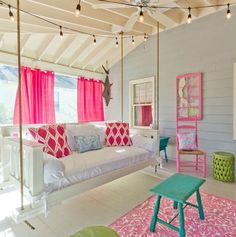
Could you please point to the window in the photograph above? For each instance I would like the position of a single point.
(65, 95)
(65, 98)
(142, 102)
(8, 87)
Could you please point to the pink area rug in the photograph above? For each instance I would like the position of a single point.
(220, 219)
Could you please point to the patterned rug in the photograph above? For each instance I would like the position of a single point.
(220, 219)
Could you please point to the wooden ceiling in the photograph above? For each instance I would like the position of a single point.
(41, 40)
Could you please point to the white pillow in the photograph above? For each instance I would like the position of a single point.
(149, 144)
(54, 170)
(79, 130)
(101, 129)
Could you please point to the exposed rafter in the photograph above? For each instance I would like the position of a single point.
(24, 41)
(61, 51)
(77, 50)
(46, 46)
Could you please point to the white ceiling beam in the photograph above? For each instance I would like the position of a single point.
(88, 11)
(68, 20)
(128, 47)
(24, 42)
(127, 12)
(113, 51)
(163, 19)
(45, 46)
(62, 50)
(103, 53)
(96, 52)
(91, 48)
(75, 56)
(1, 39)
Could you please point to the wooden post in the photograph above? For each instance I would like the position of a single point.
(122, 75)
(20, 103)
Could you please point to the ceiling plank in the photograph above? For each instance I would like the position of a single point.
(61, 51)
(77, 53)
(1, 39)
(96, 52)
(88, 11)
(128, 47)
(163, 19)
(45, 46)
(91, 49)
(102, 55)
(127, 12)
(24, 42)
(67, 20)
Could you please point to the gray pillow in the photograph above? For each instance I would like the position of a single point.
(88, 143)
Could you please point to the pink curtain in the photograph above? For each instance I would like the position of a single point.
(37, 97)
(89, 100)
(146, 117)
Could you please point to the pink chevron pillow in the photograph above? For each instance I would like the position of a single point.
(187, 141)
(54, 139)
(117, 134)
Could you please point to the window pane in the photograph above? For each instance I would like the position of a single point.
(143, 115)
(65, 98)
(8, 87)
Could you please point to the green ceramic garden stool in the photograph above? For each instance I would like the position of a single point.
(96, 231)
(179, 188)
(223, 166)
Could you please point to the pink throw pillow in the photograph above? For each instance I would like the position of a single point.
(54, 139)
(187, 141)
(117, 134)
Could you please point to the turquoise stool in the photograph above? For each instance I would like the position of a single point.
(179, 188)
(163, 144)
(96, 231)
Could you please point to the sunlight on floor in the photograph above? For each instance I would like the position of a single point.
(9, 200)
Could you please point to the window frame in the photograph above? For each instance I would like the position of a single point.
(133, 105)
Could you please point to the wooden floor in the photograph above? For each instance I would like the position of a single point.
(100, 206)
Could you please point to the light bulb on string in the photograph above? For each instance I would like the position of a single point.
(94, 40)
(189, 16)
(228, 15)
(61, 33)
(141, 16)
(117, 44)
(132, 39)
(78, 9)
(145, 37)
(10, 13)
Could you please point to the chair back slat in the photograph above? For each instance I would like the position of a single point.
(186, 126)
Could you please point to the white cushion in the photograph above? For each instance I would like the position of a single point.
(54, 170)
(149, 144)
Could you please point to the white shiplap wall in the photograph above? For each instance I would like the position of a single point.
(207, 45)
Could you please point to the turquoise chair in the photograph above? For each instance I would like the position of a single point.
(163, 144)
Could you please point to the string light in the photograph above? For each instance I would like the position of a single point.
(10, 13)
(228, 15)
(94, 40)
(78, 9)
(61, 33)
(117, 44)
(189, 16)
(132, 39)
(145, 37)
(141, 16)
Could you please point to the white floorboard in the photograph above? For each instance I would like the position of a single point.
(100, 206)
